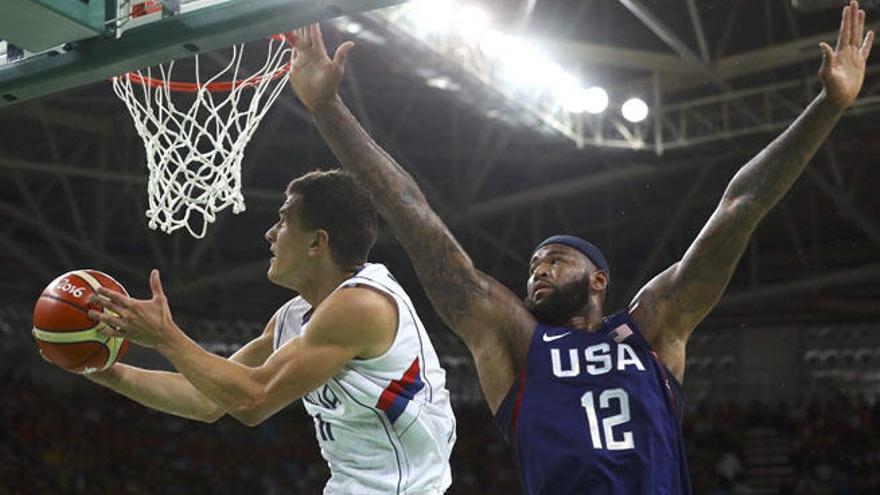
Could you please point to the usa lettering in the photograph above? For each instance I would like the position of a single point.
(597, 360)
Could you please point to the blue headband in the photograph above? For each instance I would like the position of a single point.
(587, 249)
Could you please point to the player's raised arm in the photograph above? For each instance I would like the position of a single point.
(670, 306)
(171, 392)
(481, 311)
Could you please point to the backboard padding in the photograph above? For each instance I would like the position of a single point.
(171, 38)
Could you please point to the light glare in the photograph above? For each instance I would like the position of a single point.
(593, 100)
(634, 110)
(472, 22)
(432, 16)
(596, 100)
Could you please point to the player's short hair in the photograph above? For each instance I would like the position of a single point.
(333, 201)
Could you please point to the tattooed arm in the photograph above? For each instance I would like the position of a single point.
(489, 318)
(671, 305)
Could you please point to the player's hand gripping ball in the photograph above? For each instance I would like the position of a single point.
(65, 334)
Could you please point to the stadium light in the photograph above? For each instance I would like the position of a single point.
(472, 22)
(493, 43)
(596, 99)
(522, 65)
(634, 110)
(432, 16)
(352, 27)
(592, 100)
(443, 82)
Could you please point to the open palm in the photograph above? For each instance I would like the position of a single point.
(843, 68)
(314, 76)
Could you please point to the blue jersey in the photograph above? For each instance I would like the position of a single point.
(596, 413)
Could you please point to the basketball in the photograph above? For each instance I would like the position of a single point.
(65, 334)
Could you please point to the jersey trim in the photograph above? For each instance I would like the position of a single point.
(279, 322)
(415, 320)
(398, 394)
(514, 419)
(384, 427)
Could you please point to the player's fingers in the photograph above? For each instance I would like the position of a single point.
(318, 38)
(109, 331)
(116, 298)
(156, 284)
(844, 34)
(342, 53)
(827, 56)
(307, 37)
(108, 306)
(290, 37)
(297, 39)
(107, 319)
(865, 49)
(99, 300)
(858, 27)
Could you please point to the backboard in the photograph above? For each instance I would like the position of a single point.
(52, 45)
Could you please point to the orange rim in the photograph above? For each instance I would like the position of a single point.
(214, 87)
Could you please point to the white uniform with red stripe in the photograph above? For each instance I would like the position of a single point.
(385, 425)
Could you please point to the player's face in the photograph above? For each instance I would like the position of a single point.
(289, 244)
(559, 284)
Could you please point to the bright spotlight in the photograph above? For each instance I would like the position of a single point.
(443, 82)
(593, 100)
(493, 43)
(472, 22)
(634, 110)
(352, 27)
(521, 64)
(523, 68)
(596, 100)
(432, 16)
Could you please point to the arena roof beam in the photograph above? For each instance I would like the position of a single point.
(37, 212)
(78, 121)
(247, 273)
(109, 175)
(743, 64)
(589, 181)
(83, 245)
(592, 54)
(845, 207)
(698, 30)
(848, 276)
(683, 208)
(26, 257)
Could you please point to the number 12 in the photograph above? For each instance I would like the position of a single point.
(610, 422)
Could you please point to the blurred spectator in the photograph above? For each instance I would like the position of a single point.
(87, 440)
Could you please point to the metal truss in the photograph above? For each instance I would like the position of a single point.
(728, 115)
(533, 106)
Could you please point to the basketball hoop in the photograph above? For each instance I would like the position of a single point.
(194, 152)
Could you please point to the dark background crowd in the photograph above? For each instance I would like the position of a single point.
(88, 440)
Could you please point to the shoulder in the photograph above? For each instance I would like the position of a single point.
(354, 315)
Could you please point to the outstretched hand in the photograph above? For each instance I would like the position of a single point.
(843, 68)
(145, 322)
(314, 76)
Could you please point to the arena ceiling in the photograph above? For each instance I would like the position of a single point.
(727, 76)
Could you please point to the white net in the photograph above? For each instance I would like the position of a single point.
(195, 134)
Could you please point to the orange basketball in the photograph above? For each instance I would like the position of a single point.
(63, 330)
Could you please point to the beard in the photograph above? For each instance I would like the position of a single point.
(562, 303)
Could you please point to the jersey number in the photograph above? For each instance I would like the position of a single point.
(608, 423)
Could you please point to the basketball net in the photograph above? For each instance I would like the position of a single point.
(194, 150)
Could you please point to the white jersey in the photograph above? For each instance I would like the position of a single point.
(384, 424)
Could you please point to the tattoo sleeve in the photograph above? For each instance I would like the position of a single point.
(762, 182)
(680, 297)
(457, 290)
